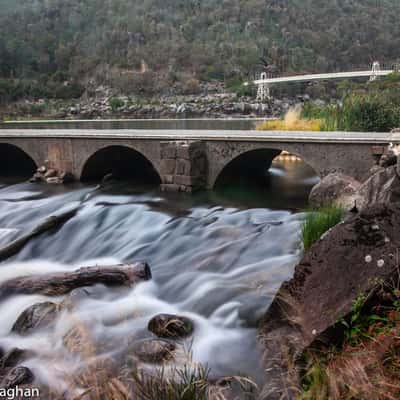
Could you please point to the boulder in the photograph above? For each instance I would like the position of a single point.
(17, 376)
(37, 177)
(66, 177)
(170, 326)
(38, 316)
(348, 261)
(50, 173)
(387, 160)
(55, 180)
(153, 350)
(13, 357)
(335, 188)
(382, 187)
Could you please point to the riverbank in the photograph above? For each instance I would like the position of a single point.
(332, 331)
(106, 103)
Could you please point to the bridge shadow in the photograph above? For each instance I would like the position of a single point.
(120, 163)
(247, 169)
(281, 182)
(15, 164)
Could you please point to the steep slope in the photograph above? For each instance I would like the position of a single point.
(181, 40)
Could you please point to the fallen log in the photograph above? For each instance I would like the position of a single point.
(58, 284)
(49, 223)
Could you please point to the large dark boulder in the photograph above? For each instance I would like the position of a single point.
(40, 315)
(14, 356)
(335, 188)
(170, 326)
(17, 376)
(347, 262)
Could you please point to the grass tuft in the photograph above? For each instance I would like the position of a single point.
(319, 221)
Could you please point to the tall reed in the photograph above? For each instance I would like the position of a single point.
(319, 221)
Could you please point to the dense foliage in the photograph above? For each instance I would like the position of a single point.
(365, 108)
(147, 45)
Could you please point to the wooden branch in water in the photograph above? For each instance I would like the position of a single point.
(50, 223)
(62, 283)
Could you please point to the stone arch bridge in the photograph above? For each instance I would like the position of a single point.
(184, 160)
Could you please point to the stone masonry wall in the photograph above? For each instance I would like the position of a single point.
(183, 166)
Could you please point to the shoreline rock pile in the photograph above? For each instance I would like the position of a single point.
(381, 186)
(52, 176)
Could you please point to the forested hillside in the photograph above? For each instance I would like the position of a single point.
(59, 48)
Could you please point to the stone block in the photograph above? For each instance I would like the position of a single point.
(168, 150)
(190, 150)
(183, 151)
(168, 166)
(168, 179)
(183, 167)
(170, 188)
(184, 180)
(186, 189)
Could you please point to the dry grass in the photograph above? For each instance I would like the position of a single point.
(126, 378)
(292, 122)
(366, 370)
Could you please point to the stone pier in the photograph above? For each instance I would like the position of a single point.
(183, 166)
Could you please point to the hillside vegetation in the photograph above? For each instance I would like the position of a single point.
(58, 48)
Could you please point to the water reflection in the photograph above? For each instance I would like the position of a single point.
(218, 124)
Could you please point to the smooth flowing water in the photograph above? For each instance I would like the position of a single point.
(216, 257)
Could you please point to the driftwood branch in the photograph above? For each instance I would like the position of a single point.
(62, 283)
(49, 223)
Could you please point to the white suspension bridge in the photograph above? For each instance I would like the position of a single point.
(264, 83)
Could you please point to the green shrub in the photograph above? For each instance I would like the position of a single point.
(115, 103)
(37, 109)
(318, 221)
(237, 86)
(69, 91)
(375, 108)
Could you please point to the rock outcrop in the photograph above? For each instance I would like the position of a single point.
(52, 176)
(382, 187)
(347, 262)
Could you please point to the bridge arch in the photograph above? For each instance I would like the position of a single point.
(123, 162)
(249, 163)
(16, 162)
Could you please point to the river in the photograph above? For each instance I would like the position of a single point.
(216, 257)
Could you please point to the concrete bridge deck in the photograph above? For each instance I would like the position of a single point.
(184, 160)
(202, 134)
